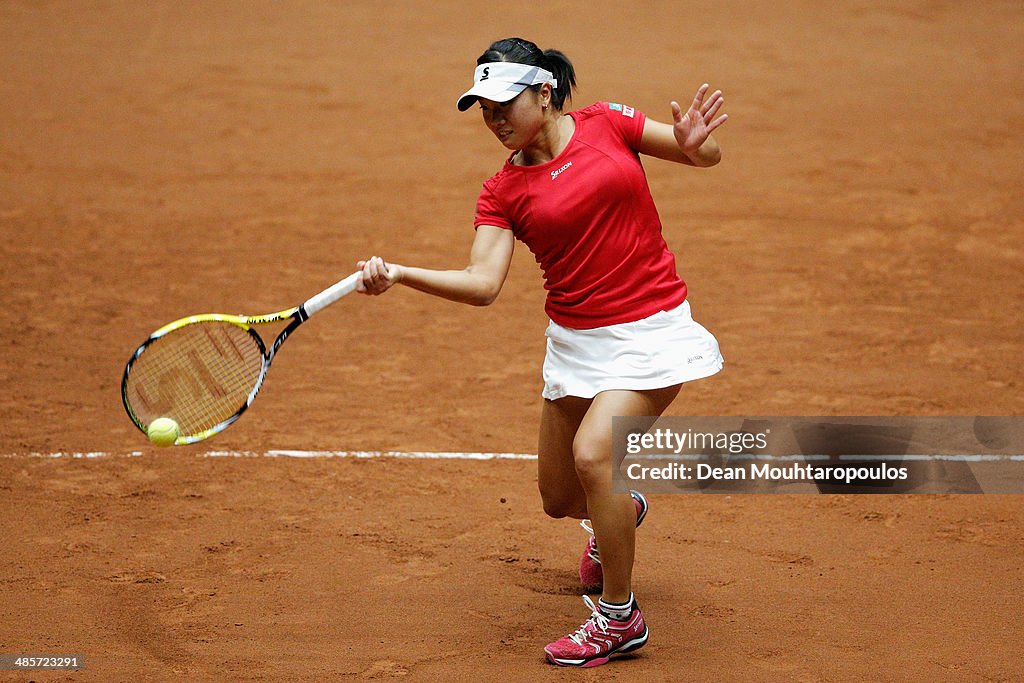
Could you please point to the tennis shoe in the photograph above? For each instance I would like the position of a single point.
(599, 638)
(591, 574)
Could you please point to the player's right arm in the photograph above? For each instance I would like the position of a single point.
(477, 284)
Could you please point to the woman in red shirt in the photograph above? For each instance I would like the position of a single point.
(621, 340)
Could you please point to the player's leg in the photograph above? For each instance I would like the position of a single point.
(613, 515)
(557, 480)
(616, 624)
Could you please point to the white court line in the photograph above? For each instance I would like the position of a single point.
(411, 455)
(430, 455)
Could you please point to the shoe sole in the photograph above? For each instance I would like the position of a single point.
(586, 663)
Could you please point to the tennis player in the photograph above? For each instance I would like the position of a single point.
(621, 340)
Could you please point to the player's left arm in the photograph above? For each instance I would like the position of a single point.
(688, 139)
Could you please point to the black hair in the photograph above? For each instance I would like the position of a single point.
(520, 51)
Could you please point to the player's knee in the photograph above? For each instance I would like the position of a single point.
(592, 460)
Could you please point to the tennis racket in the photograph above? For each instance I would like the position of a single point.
(203, 371)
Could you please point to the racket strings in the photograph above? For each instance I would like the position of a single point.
(199, 375)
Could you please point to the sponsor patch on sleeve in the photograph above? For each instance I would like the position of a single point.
(622, 109)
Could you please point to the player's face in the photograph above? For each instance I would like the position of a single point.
(516, 122)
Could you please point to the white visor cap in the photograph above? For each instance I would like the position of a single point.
(501, 81)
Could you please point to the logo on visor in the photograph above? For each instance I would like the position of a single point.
(486, 73)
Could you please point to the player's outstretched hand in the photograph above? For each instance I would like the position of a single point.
(693, 127)
(378, 276)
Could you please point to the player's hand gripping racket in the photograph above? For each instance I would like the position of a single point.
(203, 371)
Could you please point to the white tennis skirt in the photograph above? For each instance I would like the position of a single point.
(662, 350)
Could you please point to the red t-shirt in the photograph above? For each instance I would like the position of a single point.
(590, 221)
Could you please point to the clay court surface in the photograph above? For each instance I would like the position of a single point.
(858, 252)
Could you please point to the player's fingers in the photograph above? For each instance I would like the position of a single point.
(379, 275)
(369, 274)
(717, 122)
(711, 101)
(363, 277)
(382, 270)
(699, 97)
(677, 112)
(713, 109)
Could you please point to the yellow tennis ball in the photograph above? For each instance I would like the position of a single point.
(163, 431)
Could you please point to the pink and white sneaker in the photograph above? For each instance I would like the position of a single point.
(591, 574)
(599, 639)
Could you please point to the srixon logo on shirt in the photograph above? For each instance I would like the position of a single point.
(555, 174)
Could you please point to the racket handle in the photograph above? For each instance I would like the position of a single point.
(331, 294)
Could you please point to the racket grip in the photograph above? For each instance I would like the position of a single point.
(331, 294)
